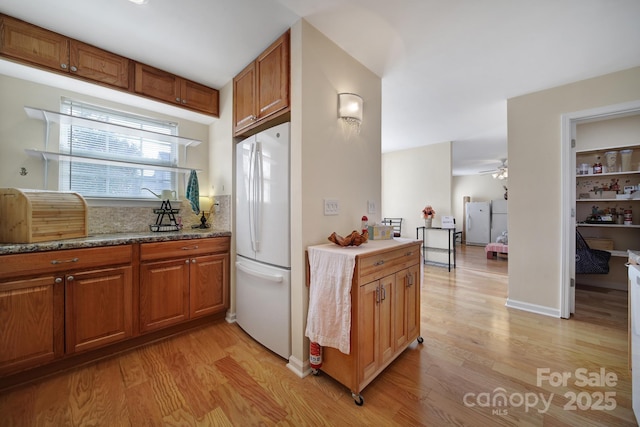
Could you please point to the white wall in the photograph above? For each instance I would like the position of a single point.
(414, 178)
(535, 171)
(324, 163)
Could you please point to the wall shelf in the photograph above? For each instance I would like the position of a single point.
(66, 119)
(50, 155)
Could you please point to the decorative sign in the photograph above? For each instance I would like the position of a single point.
(448, 222)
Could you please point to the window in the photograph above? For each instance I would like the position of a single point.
(107, 180)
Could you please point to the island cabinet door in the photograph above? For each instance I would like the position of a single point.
(407, 306)
(31, 323)
(376, 343)
(98, 308)
(164, 293)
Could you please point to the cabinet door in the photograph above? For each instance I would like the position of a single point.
(199, 97)
(272, 74)
(157, 84)
(98, 308)
(31, 323)
(27, 42)
(407, 307)
(368, 329)
(164, 294)
(98, 65)
(209, 293)
(386, 319)
(244, 98)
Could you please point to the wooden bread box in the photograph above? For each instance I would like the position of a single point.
(31, 216)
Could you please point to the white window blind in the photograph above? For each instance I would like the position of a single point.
(102, 180)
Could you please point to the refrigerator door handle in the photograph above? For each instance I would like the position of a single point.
(277, 278)
(255, 195)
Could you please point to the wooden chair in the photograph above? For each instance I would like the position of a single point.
(396, 223)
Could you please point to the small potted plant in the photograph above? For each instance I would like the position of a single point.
(428, 213)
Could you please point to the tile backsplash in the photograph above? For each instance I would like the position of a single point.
(114, 219)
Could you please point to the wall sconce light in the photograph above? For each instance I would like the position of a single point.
(350, 110)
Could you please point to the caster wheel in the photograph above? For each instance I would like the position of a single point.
(420, 340)
(358, 399)
(315, 372)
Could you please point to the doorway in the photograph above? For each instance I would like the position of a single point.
(570, 124)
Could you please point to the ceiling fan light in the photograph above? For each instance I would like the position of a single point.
(139, 1)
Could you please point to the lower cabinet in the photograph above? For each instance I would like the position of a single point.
(58, 304)
(98, 308)
(385, 315)
(31, 322)
(176, 288)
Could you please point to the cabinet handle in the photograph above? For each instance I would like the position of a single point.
(377, 295)
(58, 280)
(384, 293)
(189, 248)
(74, 69)
(377, 263)
(409, 253)
(184, 101)
(193, 261)
(177, 99)
(253, 118)
(409, 279)
(63, 66)
(186, 261)
(69, 278)
(55, 261)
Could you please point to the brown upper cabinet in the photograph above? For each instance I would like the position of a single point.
(26, 42)
(170, 88)
(37, 46)
(261, 90)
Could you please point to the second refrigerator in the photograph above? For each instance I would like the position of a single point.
(478, 223)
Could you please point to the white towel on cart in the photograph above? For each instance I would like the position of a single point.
(329, 315)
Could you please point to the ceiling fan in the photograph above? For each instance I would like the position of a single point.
(501, 172)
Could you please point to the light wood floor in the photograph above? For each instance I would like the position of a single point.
(473, 346)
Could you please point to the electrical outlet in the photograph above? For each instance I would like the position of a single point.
(371, 207)
(331, 207)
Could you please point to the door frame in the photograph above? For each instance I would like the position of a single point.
(569, 121)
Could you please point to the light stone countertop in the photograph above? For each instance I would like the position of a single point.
(111, 240)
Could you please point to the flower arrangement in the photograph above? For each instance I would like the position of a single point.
(428, 212)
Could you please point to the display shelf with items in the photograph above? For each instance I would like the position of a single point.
(607, 208)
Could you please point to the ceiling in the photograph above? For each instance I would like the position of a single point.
(447, 66)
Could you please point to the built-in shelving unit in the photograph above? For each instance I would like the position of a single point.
(66, 119)
(599, 194)
(49, 117)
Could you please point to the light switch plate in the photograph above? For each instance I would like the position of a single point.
(331, 207)
(371, 206)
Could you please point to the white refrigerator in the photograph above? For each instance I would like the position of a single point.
(263, 263)
(478, 223)
(498, 218)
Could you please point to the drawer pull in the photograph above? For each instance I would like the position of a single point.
(55, 261)
(377, 263)
(409, 253)
(189, 248)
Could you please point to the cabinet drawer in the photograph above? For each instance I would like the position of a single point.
(378, 265)
(64, 260)
(183, 248)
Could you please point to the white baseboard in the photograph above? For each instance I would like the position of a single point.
(533, 308)
(230, 317)
(301, 369)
